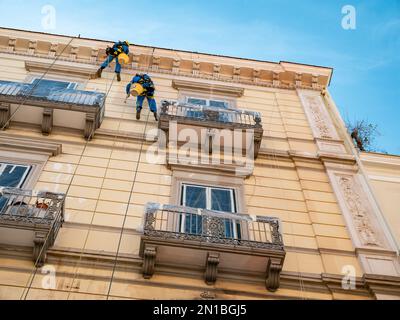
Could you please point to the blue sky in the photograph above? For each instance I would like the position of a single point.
(366, 81)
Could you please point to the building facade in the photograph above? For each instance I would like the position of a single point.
(247, 187)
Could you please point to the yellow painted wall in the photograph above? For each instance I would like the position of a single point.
(99, 176)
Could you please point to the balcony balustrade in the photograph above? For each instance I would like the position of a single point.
(193, 238)
(191, 115)
(29, 218)
(88, 106)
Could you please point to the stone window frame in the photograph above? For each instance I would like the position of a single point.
(37, 163)
(182, 176)
(79, 82)
(184, 95)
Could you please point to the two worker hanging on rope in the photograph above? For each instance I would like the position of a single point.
(119, 52)
(142, 87)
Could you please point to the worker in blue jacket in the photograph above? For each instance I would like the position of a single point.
(113, 53)
(148, 93)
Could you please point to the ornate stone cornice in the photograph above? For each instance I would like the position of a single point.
(223, 68)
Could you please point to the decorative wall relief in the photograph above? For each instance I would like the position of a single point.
(316, 112)
(320, 121)
(360, 210)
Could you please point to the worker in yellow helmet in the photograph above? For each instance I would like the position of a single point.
(113, 53)
(148, 88)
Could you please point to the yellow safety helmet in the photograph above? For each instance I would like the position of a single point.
(127, 42)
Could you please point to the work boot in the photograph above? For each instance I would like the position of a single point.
(138, 114)
(155, 115)
(118, 77)
(99, 72)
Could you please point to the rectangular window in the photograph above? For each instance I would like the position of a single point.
(210, 198)
(12, 175)
(213, 103)
(218, 105)
(44, 87)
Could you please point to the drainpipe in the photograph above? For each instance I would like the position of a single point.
(339, 121)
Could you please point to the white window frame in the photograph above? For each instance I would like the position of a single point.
(71, 84)
(35, 161)
(208, 203)
(75, 83)
(184, 95)
(226, 102)
(208, 195)
(24, 177)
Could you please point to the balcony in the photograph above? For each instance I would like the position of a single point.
(200, 117)
(70, 108)
(183, 237)
(30, 219)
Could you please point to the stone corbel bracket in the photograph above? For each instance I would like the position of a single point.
(149, 261)
(272, 280)
(211, 268)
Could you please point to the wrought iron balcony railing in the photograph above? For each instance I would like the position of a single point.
(215, 232)
(39, 215)
(88, 102)
(212, 118)
(235, 118)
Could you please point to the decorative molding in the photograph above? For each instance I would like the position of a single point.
(155, 63)
(149, 260)
(211, 268)
(266, 74)
(298, 79)
(272, 279)
(316, 112)
(176, 65)
(31, 145)
(370, 238)
(11, 44)
(275, 79)
(5, 113)
(53, 49)
(90, 126)
(360, 210)
(236, 73)
(32, 47)
(196, 68)
(208, 88)
(94, 55)
(60, 68)
(74, 53)
(47, 122)
(216, 70)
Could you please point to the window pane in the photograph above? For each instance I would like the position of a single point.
(218, 104)
(12, 175)
(196, 197)
(45, 87)
(201, 102)
(221, 200)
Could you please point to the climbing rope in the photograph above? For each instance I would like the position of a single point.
(131, 192)
(58, 217)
